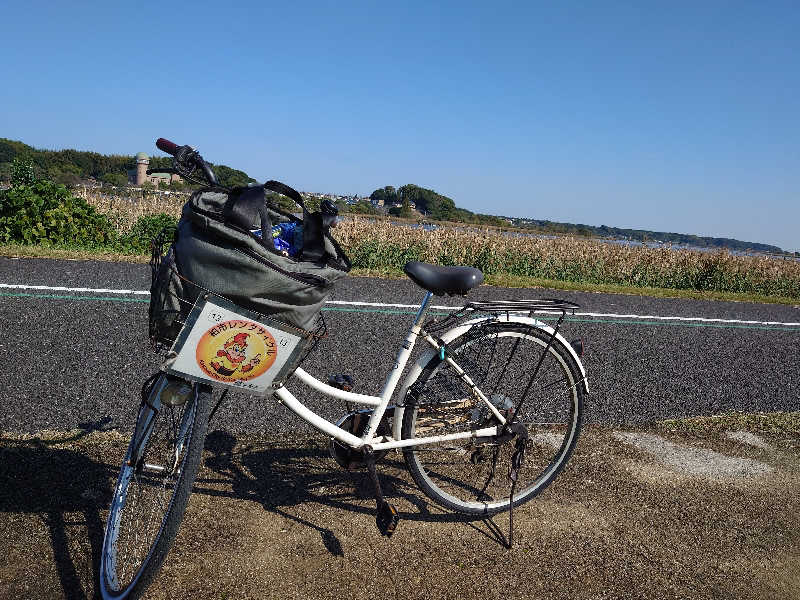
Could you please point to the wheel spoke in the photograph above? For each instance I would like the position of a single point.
(470, 476)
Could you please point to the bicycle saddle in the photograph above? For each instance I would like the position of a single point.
(444, 280)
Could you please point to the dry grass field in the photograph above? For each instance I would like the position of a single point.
(125, 210)
(375, 244)
(379, 245)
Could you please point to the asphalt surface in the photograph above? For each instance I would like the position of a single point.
(77, 359)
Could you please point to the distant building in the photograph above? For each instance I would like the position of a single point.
(139, 175)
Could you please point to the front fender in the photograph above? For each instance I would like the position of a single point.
(455, 332)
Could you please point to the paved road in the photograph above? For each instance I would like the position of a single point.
(74, 358)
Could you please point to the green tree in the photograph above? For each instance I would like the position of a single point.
(145, 230)
(404, 210)
(312, 204)
(282, 202)
(116, 179)
(361, 207)
(67, 179)
(22, 172)
(178, 185)
(388, 194)
(66, 174)
(230, 177)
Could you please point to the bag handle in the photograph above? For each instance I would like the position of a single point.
(245, 203)
(313, 242)
(282, 188)
(241, 207)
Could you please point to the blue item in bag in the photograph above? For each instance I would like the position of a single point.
(286, 237)
(290, 237)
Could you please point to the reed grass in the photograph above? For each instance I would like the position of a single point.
(380, 245)
(125, 210)
(376, 245)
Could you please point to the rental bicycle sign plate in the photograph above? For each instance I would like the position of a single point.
(225, 344)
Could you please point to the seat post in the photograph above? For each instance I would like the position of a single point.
(423, 309)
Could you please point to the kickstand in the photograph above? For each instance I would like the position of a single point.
(386, 518)
(517, 459)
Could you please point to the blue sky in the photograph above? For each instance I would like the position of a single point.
(674, 116)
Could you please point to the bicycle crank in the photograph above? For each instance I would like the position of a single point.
(356, 423)
(386, 515)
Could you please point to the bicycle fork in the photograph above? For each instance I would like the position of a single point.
(150, 407)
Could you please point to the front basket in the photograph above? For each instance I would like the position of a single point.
(182, 313)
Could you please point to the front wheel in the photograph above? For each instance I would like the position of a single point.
(153, 486)
(471, 475)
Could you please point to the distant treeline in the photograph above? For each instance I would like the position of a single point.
(643, 235)
(441, 208)
(70, 167)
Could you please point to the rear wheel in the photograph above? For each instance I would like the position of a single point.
(471, 475)
(153, 487)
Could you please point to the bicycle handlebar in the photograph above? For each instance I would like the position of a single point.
(166, 146)
(186, 157)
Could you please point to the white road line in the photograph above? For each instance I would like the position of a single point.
(701, 319)
(585, 314)
(72, 289)
(416, 306)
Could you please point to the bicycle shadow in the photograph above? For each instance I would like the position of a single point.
(280, 478)
(66, 489)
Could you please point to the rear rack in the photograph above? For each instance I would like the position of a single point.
(516, 306)
(529, 307)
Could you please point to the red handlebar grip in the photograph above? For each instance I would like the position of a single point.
(167, 146)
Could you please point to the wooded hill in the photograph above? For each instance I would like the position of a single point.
(430, 204)
(71, 166)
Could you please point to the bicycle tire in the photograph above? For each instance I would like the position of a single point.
(472, 476)
(136, 479)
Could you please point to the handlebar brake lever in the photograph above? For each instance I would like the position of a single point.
(187, 159)
(185, 155)
(184, 160)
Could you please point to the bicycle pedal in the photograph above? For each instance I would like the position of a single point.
(341, 381)
(387, 519)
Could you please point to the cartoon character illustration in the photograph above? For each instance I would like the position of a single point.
(233, 355)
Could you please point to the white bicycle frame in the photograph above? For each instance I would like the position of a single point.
(381, 403)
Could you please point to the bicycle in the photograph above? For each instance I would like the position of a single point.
(497, 390)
